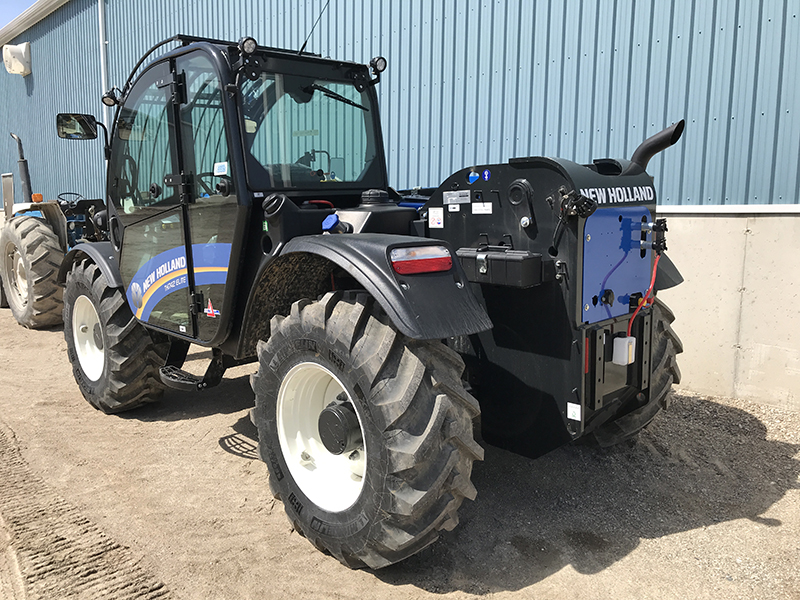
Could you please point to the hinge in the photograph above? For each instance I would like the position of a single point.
(196, 303)
(177, 87)
(184, 184)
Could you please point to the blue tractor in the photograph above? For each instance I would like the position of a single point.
(34, 237)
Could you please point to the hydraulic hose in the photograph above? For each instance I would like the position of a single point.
(647, 294)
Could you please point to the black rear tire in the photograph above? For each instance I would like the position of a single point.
(114, 359)
(30, 255)
(3, 300)
(666, 345)
(415, 419)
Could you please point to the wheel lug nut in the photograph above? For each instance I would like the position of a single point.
(84, 328)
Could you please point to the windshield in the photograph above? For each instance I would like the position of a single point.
(302, 132)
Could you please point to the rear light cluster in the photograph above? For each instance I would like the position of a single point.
(421, 259)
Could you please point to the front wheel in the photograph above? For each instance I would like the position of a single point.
(114, 360)
(30, 255)
(367, 433)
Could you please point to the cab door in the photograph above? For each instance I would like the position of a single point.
(212, 205)
(147, 216)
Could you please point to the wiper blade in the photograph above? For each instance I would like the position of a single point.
(335, 96)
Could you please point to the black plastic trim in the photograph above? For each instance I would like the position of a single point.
(424, 306)
(102, 253)
(667, 275)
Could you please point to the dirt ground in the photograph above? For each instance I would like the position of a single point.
(171, 501)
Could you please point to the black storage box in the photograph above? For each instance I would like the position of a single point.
(514, 268)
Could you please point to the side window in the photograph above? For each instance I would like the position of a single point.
(205, 149)
(142, 151)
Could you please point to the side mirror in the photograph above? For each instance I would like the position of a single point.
(76, 126)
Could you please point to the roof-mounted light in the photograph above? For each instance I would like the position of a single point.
(110, 97)
(247, 45)
(378, 65)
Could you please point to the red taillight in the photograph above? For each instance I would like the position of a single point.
(423, 259)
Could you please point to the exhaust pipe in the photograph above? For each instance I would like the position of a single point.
(655, 144)
(24, 174)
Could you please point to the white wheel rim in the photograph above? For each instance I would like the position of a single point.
(332, 482)
(15, 267)
(85, 332)
(21, 276)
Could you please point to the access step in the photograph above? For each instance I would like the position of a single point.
(179, 379)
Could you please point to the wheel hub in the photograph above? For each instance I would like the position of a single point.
(321, 436)
(339, 429)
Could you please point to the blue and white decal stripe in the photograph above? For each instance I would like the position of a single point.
(166, 273)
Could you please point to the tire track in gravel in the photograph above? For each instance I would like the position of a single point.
(59, 552)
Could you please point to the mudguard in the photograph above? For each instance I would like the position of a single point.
(423, 306)
(101, 253)
(667, 275)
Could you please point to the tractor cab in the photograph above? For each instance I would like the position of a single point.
(205, 134)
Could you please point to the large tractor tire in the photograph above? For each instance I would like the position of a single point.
(666, 345)
(114, 359)
(31, 256)
(367, 433)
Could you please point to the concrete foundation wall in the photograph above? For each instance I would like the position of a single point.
(737, 311)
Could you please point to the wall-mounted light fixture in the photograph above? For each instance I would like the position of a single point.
(18, 58)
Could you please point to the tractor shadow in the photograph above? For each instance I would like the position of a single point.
(698, 464)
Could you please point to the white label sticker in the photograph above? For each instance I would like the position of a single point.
(573, 411)
(459, 197)
(453, 207)
(481, 208)
(220, 169)
(436, 218)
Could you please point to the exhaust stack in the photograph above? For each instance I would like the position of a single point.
(24, 173)
(655, 144)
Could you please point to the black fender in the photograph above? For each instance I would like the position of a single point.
(667, 275)
(101, 253)
(425, 306)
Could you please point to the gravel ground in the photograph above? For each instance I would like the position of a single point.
(171, 501)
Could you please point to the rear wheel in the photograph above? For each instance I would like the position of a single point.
(114, 359)
(666, 345)
(31, 255)
(367, 433)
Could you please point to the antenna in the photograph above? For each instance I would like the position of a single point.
(314, 27)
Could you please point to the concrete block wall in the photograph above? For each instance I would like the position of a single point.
(738, 310)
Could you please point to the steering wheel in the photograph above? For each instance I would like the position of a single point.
(129, 182)
(71, 198)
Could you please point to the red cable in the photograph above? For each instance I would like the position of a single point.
(327, 203)
(646, 296)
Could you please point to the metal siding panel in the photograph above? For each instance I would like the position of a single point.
(480, 81)
(68, 36)
(745, 82)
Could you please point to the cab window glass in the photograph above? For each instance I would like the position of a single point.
(205, 148)
(142, 151)
(306, 132)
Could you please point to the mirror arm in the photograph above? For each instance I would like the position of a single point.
(106, 147)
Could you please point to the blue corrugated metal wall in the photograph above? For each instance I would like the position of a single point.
(473, 82)
(65, 77)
